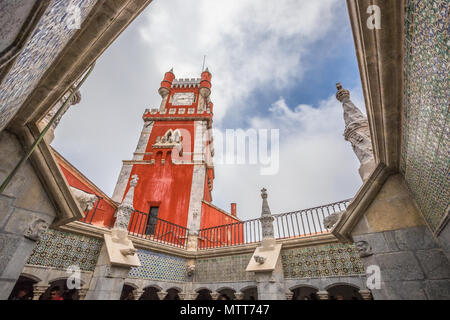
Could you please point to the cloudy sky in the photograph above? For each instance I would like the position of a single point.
(274, 66)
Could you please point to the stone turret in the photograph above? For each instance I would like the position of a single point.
(357, 132)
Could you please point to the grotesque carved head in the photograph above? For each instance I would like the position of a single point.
(36, 230)
(364, 249)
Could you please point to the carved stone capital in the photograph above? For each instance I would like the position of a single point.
(39, 290)
(289, 295)
(366, 294)
(137, 293)
(322, 295)
(161, 295)
(239, 295)
(215, 295)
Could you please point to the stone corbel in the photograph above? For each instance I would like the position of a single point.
(36, 229)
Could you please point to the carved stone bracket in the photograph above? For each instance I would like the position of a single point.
(36, 229)
(364, 249)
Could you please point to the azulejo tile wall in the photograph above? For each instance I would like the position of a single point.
(158, 266)
(426, 132)
(63, 249)
(226, 268)
(321, 261)
(51, 35)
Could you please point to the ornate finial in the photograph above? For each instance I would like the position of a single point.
(342, 94)
(134, 180)
(264, 193)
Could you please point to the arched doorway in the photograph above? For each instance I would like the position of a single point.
(172, 294)
(150, 293)
(60, 286)
(204, 294)
(23, 290)
(227, 294)
(127, 292)
(343, 292)
(305, 293)
(250, 293)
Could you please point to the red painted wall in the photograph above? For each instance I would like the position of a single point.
(231, 231)
(102, 214)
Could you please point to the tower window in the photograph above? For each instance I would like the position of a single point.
(151, 221)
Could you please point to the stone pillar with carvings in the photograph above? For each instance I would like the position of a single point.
(137, 293)
(38, 290)
(289, 295)
(82, 293)
(161, 294)
(215, 295)
(117, 255)
(322, 295)
(357, 132)
(366, 294)
(76, 98)
(239, 295)
(266, 260)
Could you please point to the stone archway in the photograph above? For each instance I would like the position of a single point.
(61, 286)
(250, 293)
(304, 293)
(343, 291)
(150, 293)
(204, 294)
(127, 292)
(172, 294)
(227, 293)
(23, 290)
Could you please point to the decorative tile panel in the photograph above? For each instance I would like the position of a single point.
(50, 37)
(321, 261)
(220, 269)
(426, 132)
(158, 266)
(62, 249)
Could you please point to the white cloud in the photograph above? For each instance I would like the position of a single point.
(317, 166)
(249, 44)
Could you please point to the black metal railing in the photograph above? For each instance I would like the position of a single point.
(306, 222)
(145, 226)
(244, 232)
(295, 224)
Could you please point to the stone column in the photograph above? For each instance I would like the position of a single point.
(192, 296)
(137, 293)
(357, 132)
(25, 213)
(215, 295)
(117, 255)
(322, 295)
(239, 295)
(82, 293)
(266, 260)
(38, 290)
(289, 295)
(365, 294)
(182, 295)
(161, 294)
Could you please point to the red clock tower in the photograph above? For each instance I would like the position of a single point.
(173, 158)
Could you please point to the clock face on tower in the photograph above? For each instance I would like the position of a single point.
(183, 99)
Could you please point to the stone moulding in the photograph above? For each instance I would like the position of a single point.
(361, 201)
(380, 59)
(8, 56)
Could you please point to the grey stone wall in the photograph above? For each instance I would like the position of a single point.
(412, 264)
(22, 204)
